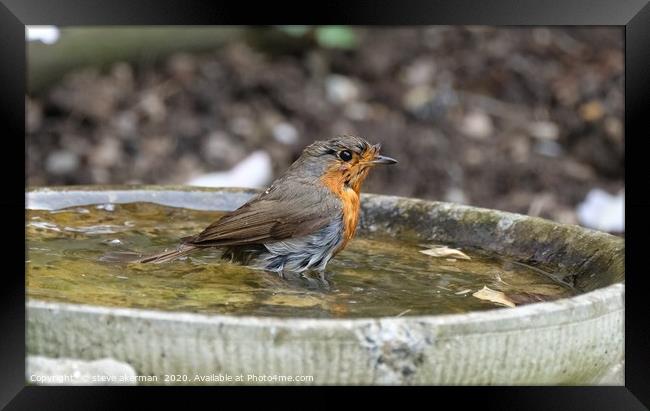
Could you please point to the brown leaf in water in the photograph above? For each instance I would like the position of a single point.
(495, 296)
(444, 251)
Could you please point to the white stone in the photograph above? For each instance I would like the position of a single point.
(285, 133)
(477, 125)
(62, 162)
(544, 130)
(255, 171)
(341, 89)
(603, 211)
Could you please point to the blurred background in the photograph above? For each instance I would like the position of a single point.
(528, 120)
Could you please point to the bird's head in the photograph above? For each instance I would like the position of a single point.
(344, 162)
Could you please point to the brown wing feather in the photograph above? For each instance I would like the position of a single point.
(270, 216)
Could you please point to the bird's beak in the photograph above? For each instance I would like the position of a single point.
(383, 160)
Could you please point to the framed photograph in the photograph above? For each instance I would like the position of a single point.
(427, 194)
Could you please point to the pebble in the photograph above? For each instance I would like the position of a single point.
(420, 72)
(107, 153)
(285, 133)
(126, 124)
(357, 111)
(242, 126)
(520, 149)
(62, 162)
(614, 129)
(545, 130)
(219, 147)
(474, 156)
(153, 107)
(548, 148)
(477, 125)
(341, 89)
(417, 97)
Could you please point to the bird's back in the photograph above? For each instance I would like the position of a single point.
(295, 225)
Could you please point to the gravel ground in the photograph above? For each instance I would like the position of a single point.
(523, 120)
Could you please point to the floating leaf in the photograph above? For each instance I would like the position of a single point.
(495, 296)
(444, 251)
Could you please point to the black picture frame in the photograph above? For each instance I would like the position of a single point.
(633, 16)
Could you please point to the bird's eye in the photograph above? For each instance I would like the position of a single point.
(345, 155)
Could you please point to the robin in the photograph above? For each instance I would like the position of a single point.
(302, 220)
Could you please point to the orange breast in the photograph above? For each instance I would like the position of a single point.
(350, 201)
(351, 205)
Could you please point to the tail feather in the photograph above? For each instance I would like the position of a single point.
(163, 257)
(167, 256)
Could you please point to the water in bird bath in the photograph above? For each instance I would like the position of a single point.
(372, 277)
